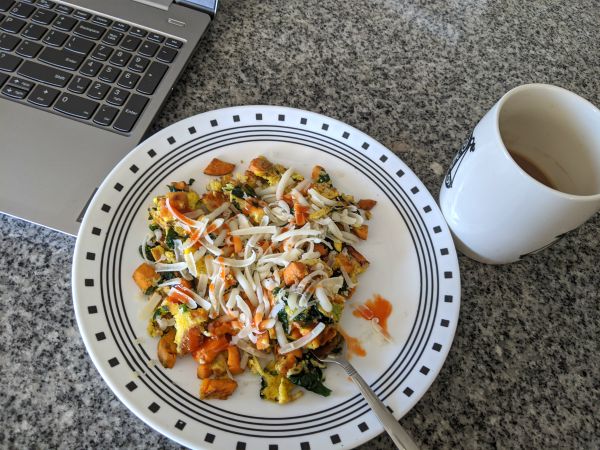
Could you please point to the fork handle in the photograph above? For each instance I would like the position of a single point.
(400, 437)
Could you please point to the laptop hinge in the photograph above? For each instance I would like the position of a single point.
(160, 4)
(206, 6)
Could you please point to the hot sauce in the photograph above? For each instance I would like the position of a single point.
(353, 345)
(378, 308)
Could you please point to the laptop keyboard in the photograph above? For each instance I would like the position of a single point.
(80, 65)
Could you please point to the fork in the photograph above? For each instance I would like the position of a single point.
(398, 434)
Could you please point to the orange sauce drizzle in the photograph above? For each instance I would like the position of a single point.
(353, 345)
(378, 308)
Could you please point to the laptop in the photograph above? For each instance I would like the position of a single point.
(80, 83)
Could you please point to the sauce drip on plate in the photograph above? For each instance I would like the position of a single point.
(353, 345)
(378, 308)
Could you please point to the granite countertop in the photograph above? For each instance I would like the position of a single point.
(524, 369)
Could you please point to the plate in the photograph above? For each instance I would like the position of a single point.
(413, 264)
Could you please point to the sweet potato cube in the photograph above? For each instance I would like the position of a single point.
(357, 255)
(362, 231)
(258, 166)
(167, 349)
(203, 371)
(366, 204)
(294, 272)
(233, 360)
(180, 185)
(316, 172)
(263, 342)
(179, 201)
(218, 388)
(322, 249)
(145, 276)
(218, 168)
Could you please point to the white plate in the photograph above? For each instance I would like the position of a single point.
(413, 264)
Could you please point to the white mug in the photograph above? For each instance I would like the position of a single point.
(500, 210)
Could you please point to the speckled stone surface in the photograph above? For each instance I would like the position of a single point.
(524, 370)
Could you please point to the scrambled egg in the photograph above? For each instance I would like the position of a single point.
(185, 320)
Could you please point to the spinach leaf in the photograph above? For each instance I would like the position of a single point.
(243, 191)
(153, 227)
(164, 276)
(248, 190)
(150, 290)
(311, 315)
(323, 177)
(238, 192)
(147, 252)
(191, 181)
(263, 386)
(310, 377)
(160, 311)
(283, 318)
(171, 234)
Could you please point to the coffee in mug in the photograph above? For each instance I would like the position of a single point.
(528, 174)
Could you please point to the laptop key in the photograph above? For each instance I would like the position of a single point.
(55, 38)
(152, 78)
(46, 4)
(28, 49)
(120, 58)
(12, 24)
(128, 80)
(8, 42)
(8, 62)
(148, 49)
(21, 83)
(64, 23)
(105, 115)
(43, 16)
(5, 5)
(44, 74)
(112, 38)
(156, 38)
(166, 54)
(138, 64)
(14, 92)
(64, 58)
(89, 30)
(120, 26)
(98, 90)
(74, 105)
(117, 96)
(22, 10)
(130, 43)
(3, 78)
(102, 21)
(91, 68)
(130, 113)
(138, 32)
(79, 84)
(82, 15)
(102, 52)
(43, 96)
(79, 45)
(64, 9)
(173, 43)
(109, 74)
(34, 32)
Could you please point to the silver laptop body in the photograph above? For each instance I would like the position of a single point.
(51, 163)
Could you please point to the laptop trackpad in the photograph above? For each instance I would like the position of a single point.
(52, 164)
